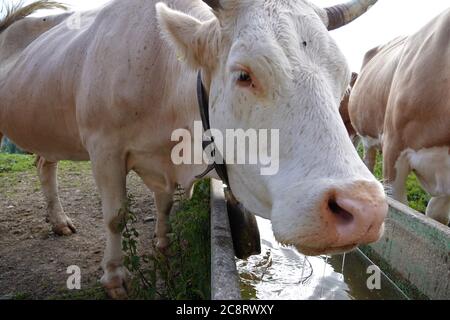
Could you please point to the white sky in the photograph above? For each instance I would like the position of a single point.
(385, 21)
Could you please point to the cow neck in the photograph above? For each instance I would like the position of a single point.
(203, 103)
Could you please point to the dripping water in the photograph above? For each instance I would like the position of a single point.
(280, 272)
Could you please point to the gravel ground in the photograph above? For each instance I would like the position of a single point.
(33, 260)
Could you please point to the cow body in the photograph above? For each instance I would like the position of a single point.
(67, 89)
(378, 69)
(114, 91)
(401, 104)
(81, 95)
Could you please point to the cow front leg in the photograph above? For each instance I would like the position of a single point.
(370, 158)
(356, 139)
(164, 189)
(61, 224)
(396, 169)
(164, 203)
(439, 209)
(110, 176)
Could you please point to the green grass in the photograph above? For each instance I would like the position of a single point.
(13, 167)
(14, 163)
(417, 198)
(95, 293)
(10, 163)
(74, 166)
(22, 296)
(191, 227)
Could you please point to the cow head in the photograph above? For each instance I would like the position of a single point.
(273, 65)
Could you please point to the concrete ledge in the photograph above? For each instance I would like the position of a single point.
(224, 275)
(414, 252)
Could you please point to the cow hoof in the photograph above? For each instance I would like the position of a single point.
(65, 229)
(116, 289)
(162, 244)
(117, 286)
(119, 293)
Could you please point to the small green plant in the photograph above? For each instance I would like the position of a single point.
(22, 296)
(144, 274)
(97, 292)
(183, 271)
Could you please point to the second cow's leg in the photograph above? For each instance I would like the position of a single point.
(47, 170)
(356, 139)
(396, 169)
(439, 209)
(370, 158)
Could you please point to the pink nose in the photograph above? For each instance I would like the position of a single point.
(354, 215)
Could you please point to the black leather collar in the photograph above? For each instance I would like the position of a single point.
(243, 225)
(203, 103)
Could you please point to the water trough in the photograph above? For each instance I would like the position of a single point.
(414, 252)
(413, 256)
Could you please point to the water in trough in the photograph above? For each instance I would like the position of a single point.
(282, 273)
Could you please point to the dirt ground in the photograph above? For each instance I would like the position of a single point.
(33, 260)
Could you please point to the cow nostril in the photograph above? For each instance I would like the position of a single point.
(342, 215)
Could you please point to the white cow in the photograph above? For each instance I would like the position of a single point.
(113, 92)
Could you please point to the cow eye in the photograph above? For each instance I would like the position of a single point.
(244, 79)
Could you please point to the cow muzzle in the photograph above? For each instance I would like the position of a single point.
(339, 219)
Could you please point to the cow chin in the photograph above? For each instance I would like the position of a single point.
(312, 245)
(313, 241)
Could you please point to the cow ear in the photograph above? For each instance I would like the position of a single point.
(196, 42)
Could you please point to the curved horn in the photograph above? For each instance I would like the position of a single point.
(342, 14)
(214, 4)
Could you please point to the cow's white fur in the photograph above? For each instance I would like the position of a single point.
(118, 103)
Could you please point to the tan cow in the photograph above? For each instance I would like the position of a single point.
(367, 104)
(401, 103)
(113, 91)
(343, 110)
